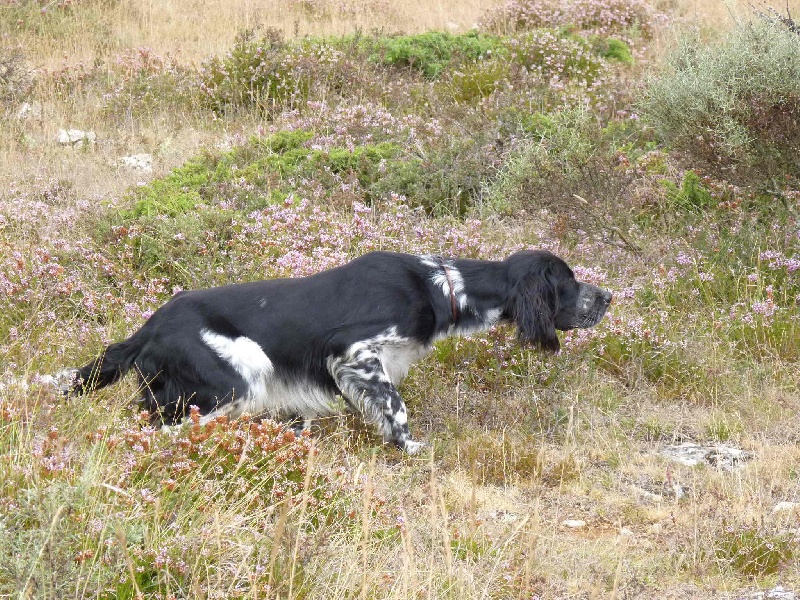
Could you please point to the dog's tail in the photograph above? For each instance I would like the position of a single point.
(107, 368)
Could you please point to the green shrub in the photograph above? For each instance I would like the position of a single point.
(733, 106)
(754, 551)
(433, 51)
(691, 196)
(177, 193)
(471, 83)
(614, 49)
(576, 169)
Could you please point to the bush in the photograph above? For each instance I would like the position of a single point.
(754, 551)
(629, 18)
(692, 195)
(433, 51)
(271, 75)
(578, 172)
(143, 81)
(15, 75)
(733, 106)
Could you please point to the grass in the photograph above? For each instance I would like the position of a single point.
(433, 139)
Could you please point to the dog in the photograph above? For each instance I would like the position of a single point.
(285, 348)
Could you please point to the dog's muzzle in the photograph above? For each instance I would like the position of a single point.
(592, 305)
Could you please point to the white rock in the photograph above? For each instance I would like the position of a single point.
(780, 593)
(573, 523)
(786, 506)
(720, 455)
(776, 593)
(29, 111)
(503, 516)
(138, 162)
(70, 137)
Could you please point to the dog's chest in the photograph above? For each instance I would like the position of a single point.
(397, 356)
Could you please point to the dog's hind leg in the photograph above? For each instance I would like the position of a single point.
(366, 386)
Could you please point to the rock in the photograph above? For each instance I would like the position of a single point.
(138, 162)
(720, 456)
(72, 137)
(776, 593)
(573, 523)
(503, 516)
(29, 111)
(785, 506)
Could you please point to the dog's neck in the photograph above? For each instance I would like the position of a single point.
(453, 303)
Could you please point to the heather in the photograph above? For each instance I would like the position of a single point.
(633, 140)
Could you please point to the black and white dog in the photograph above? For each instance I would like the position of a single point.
(285, 348)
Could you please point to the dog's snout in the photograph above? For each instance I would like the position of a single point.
(606, 296)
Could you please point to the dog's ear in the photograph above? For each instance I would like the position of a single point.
(533, 304)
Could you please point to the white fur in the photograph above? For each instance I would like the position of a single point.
(245, 356)
(444, 274)
(395, 353)
(280, 400)
(397, 357)
(266, 394)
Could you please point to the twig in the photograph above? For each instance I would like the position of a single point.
(632, 246)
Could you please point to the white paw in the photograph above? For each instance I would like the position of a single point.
(412, 447)
(61, 381)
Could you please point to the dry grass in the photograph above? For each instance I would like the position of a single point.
(720, 15)
(190, 30)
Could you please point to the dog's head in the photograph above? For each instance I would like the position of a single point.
(545, 297)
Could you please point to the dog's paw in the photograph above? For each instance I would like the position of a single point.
(63, 381)
(412, 447)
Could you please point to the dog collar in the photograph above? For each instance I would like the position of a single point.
(453, 305)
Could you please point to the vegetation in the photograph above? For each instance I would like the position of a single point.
(318, 134)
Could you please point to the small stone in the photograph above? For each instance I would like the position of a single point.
(138, 162)
(29, 111)
(573, 523)
(71, 137)
(786, 506)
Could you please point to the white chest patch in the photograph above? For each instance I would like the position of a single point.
(398, 355)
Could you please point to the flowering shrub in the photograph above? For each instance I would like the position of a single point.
(628, 18)
(557, 59)
(272, 75)
(292, 238)
(143, 81)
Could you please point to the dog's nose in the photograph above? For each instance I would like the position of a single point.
(606, 296)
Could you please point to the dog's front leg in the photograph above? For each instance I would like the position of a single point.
(365, 385)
